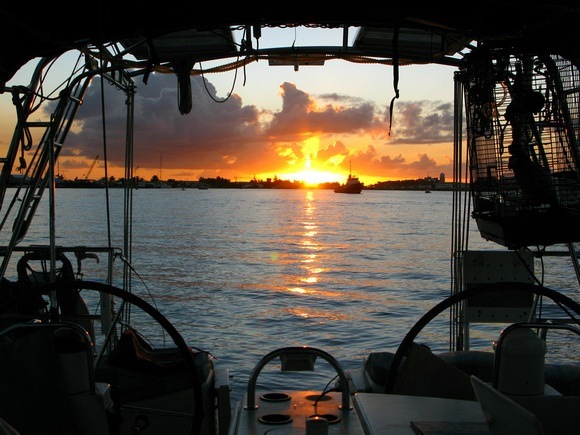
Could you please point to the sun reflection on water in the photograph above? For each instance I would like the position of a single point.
(309, 244)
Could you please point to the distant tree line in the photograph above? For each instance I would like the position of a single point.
(225, 183)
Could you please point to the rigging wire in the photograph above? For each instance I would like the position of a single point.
(127, 262)
(325, 391)
(233, 81)
(230, 93)
(104, 132)
(459, 219)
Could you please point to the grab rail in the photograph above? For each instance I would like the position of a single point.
(298, 353)
(79, 331)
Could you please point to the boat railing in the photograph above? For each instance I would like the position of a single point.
(37, 265)
(53, 362)
(39, 174)
(297, 359)
(66, 332)
(80, 252)
(507, 272)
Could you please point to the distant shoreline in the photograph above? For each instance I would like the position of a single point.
(422, 184)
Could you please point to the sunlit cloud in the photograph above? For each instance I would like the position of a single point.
(310, 138)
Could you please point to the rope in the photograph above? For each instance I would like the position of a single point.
(170, 69)
(395, 75)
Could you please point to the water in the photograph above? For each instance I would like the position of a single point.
(243, 272)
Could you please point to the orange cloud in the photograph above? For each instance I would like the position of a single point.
(237, 139)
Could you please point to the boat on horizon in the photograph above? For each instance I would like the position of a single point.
(86, 354)
(352, 185)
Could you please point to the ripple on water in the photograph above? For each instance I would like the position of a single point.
(243, 272)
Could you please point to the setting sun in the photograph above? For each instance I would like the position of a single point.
(310, 175)
(313, 177)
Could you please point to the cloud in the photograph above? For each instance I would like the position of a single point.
(300, 115)
(422, 122)
(234, 137)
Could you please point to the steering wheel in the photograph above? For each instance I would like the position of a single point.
(76, 285)
(406, 343)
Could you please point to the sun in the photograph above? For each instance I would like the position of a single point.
(312, 177)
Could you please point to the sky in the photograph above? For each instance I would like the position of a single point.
(314, 125)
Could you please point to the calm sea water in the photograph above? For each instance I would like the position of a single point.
(243, 272)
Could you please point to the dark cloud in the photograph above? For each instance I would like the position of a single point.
(339, 98)
(422, 122)
(203, 138)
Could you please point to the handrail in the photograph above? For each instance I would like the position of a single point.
(304, 350)
(79, 330)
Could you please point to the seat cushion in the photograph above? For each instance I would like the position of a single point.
(471, 362)
(377, 366)
(425, 374)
